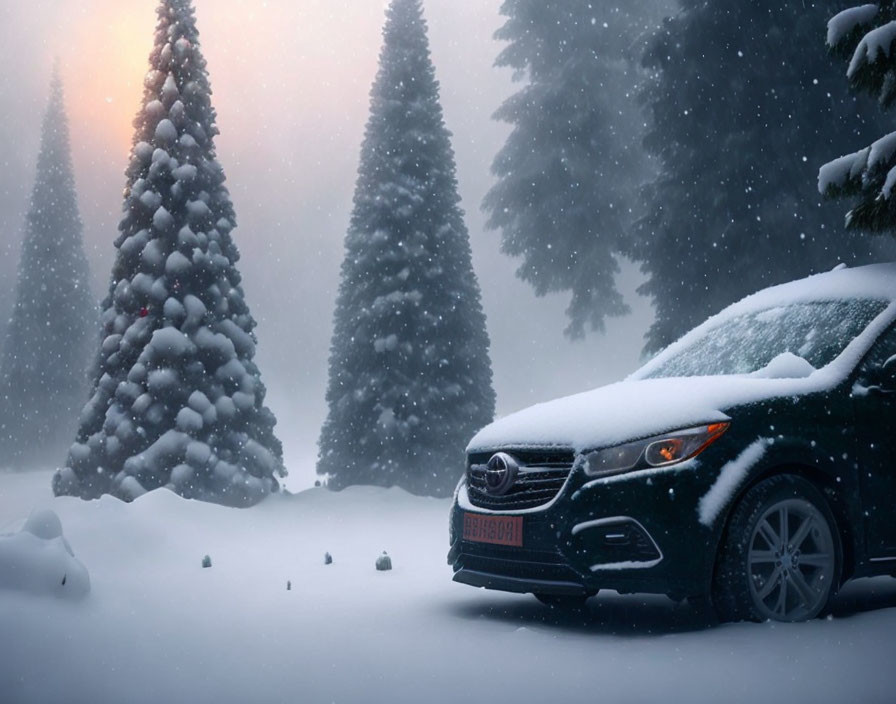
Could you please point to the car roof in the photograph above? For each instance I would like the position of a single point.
(874, 281)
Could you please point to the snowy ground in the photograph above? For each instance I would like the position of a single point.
(157, 627)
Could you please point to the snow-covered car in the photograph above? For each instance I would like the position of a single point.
(752, 462)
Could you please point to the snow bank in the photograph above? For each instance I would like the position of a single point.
(159, 628)
(38, 560)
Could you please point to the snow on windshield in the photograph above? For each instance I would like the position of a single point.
(816, 332)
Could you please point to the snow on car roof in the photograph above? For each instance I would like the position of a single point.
(874, 281)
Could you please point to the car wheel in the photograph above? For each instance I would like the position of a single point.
(781, 557)
(564, 602)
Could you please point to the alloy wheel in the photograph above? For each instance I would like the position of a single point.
(791, 561)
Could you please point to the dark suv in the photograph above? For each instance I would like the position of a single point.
(753, 462)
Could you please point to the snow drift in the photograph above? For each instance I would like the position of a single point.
(39, 560)
(159, 628)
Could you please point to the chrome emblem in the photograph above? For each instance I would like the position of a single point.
(500, 473)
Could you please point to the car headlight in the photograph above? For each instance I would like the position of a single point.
(657, 451)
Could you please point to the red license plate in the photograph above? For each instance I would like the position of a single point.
(500, 530)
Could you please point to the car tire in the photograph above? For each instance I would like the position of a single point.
(781, 557)
(564, 602)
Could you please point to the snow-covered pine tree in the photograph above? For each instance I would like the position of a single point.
(865, 35)
(742, 106)
(568, 174)
(43, 372)
(177, 400)
(410, 376)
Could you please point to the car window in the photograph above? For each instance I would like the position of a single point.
(816, 332)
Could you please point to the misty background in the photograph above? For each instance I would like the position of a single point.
(291, 82)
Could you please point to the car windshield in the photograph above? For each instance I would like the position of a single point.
(817, 332)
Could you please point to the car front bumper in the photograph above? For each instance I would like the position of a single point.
(632, 533)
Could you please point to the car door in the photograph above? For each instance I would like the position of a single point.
(874, 401)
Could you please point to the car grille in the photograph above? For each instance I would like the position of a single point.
(541, 477)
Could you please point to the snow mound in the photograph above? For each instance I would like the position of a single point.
(785, 366)
(39, 560)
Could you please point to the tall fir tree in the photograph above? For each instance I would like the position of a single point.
(743, 105)
(865, 35)
(568, 174)
(410, 376)
(43, 373)
(177, 399)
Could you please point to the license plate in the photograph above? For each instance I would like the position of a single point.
(499, 530)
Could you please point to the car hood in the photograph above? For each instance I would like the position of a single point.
(633, 409)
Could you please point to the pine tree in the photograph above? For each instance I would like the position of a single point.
(410, 377)
(43, 373)
(743, 107)
(177, 399)
(865, 35)
(569, 171)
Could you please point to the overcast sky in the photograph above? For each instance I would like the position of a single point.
(291, 81)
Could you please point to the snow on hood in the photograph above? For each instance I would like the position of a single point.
(627, 410)
(639, 407)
